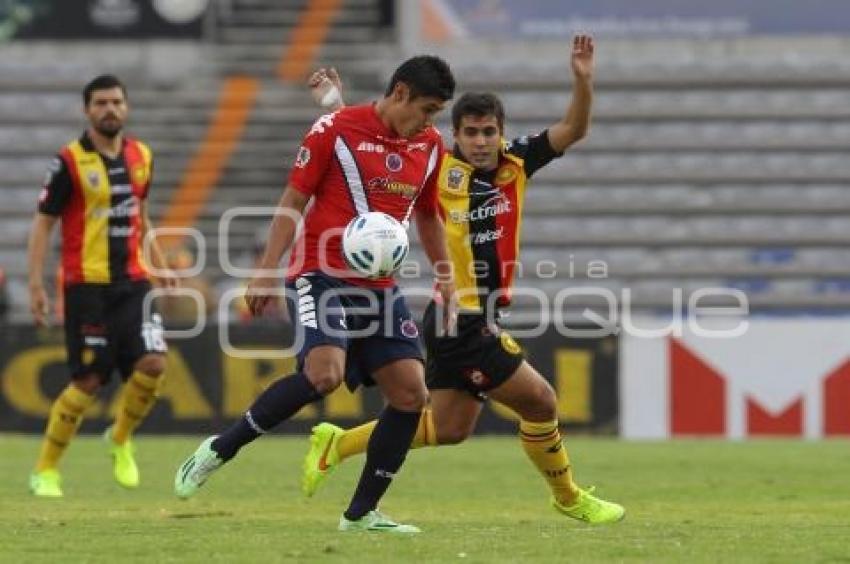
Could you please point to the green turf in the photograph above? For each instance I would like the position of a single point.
(478, 502)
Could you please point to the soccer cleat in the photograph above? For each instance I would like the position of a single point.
(322, 457)
(46, 483)
(123, 463)
(375, 521)
(591, 509)
(196, 469)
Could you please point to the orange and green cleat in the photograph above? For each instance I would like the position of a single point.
(322, 457)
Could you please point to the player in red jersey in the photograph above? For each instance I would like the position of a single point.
(378, 157)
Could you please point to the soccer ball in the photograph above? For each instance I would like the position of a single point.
(374, 244)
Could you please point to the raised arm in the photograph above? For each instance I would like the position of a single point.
(576, 122)
(326, 88)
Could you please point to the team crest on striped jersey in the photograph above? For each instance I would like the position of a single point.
(94, 178)
(454, 178)
(506, 174)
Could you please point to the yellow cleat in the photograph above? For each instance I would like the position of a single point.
(46, 483)
(322, 457)
(124, 465)
(591, 509)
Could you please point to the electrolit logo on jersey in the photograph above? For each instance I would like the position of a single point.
(496, 205)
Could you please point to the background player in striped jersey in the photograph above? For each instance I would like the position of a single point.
(97, 187)
(481, 190)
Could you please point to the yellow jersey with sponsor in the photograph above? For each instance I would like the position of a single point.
(482, 211)
(98, 200)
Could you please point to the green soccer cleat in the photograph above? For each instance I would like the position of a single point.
(322, 457)
(374, 521)
(591, 509)
(196, 469)
(46, 483)
(123, 463)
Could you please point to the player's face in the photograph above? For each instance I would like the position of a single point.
(107, 111)
(412, 116)
(479, 139)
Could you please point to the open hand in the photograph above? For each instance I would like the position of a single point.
(581, 58)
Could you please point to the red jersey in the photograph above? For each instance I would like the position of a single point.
(351, 163)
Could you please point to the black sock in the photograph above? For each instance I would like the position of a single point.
(385, 454)
(278, 402)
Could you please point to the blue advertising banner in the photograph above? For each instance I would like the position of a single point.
(458, 19)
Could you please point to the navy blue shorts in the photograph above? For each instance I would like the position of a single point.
(373, 325)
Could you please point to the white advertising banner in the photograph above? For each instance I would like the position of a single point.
(782, 377)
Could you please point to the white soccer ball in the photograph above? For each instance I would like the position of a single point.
(374, 244)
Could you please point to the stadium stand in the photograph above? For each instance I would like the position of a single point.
(723, 166)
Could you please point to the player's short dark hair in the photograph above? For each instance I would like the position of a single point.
(425, 75)
(478, 104)
(102, 82)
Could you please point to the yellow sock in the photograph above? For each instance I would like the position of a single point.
(543, 446)
(137, 398)
(426, 434)
(354, 441)
(66, 414)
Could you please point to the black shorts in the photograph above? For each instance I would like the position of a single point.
(105, 329)
(478, 359)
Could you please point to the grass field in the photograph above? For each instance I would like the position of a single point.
(478, 502)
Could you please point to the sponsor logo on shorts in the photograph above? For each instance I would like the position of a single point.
(478, 378)
(508, 343)
(87, 356)
(91, 341)
(306, 303)
(409, 329)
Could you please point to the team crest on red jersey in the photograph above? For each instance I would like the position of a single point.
(394, 162)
